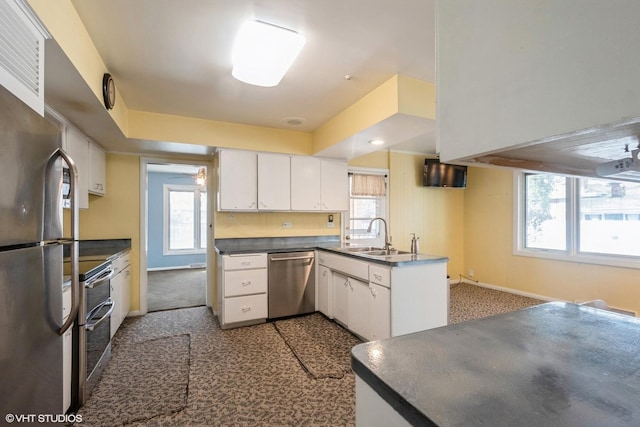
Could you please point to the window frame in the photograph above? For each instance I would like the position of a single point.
(346, 216)
(197, 190)
(571, 254)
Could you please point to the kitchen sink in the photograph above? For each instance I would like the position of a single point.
(361, 249)
(382, 252)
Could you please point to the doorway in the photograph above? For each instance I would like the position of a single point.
(176, 218)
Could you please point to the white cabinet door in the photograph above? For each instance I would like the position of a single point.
(125, 293)
(77, 147)
(97, 174)
(379, 312)
(334, 188)
(358, 307)
(340, 284)
(274, 182)
(324, 291)
(305, 184)
(116, 295)
(238, 184)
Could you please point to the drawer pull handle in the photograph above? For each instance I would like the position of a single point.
(246, 309)
(246, 262)
(377, 276)
(246, 283)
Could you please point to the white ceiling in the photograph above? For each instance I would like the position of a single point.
(173, 57)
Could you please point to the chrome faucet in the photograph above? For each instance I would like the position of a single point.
(387, 241)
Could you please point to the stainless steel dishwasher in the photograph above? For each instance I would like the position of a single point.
(292, 284)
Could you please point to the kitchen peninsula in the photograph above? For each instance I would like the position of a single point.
(554, 364)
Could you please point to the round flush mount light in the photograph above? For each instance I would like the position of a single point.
(294, 121)
(376, 142)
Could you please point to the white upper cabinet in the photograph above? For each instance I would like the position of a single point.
(319, 184)
(305, 184)
(97, 174)
(76, 145)
(334, 185)
(238, 180)
(274, 182)
(509, 73)
(251, 181)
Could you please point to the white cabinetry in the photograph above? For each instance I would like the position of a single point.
(377, 301)
(242, 290)
(76, 145)
(238, 180)
(324, 303)
(120, 290)
(274, 182)
(319, 184)
(340, 284)
(89, 159)
(97, 176)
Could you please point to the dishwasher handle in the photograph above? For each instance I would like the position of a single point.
(291, 258)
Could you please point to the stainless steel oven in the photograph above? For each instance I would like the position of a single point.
(92, 334)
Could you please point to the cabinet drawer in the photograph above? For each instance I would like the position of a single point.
(380, 275)
(122, 262)
(66, 302)
(245, 282)
(241, 309)
(232, 262)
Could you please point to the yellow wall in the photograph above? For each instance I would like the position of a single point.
(488, 250)
(434, 214)
(117, 214)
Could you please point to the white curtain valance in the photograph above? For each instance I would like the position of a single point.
(368, 185)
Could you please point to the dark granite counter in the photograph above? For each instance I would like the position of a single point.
(274, 244)
(555, 364)
(101, 249)
(309, 243)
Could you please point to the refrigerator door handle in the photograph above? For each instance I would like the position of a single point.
(74, 250)
(91, 324)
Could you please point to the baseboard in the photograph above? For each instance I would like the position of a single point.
(537, 296)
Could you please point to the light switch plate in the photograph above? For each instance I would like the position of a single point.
(286, 225)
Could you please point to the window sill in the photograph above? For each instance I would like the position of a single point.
(583, 258)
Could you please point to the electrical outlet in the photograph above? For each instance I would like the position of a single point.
(471, 272)
(286, 224)
(330, 225)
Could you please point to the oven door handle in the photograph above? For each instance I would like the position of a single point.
(98, 280)
(91, 324)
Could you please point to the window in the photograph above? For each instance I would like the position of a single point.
(580, 219)
(185, 219)
(367, 200)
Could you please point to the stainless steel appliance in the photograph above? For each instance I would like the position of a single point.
(31, 260)
(94, 334)
(292, 284)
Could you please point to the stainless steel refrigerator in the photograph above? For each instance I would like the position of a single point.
(31, 257)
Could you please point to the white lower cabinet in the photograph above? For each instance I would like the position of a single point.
(120, 290)
(378, 301)
(379, 312)
(324, 303)
(242, 289)
(358, 307)
(340, 284)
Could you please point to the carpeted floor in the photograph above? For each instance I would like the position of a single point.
(261, 375)
(171, 289)
(468, 302)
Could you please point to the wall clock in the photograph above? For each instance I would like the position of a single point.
(108, 91)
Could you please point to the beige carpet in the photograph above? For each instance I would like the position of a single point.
(171, 289)
(322, 347)
(144, 380)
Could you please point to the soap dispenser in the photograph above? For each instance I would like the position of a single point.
(415, 244)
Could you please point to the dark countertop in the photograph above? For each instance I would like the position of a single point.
(101, 249)
(556, 364)
(309, 243)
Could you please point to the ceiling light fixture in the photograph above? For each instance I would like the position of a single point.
(263, 53)
(376, 142)
(201, 177)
